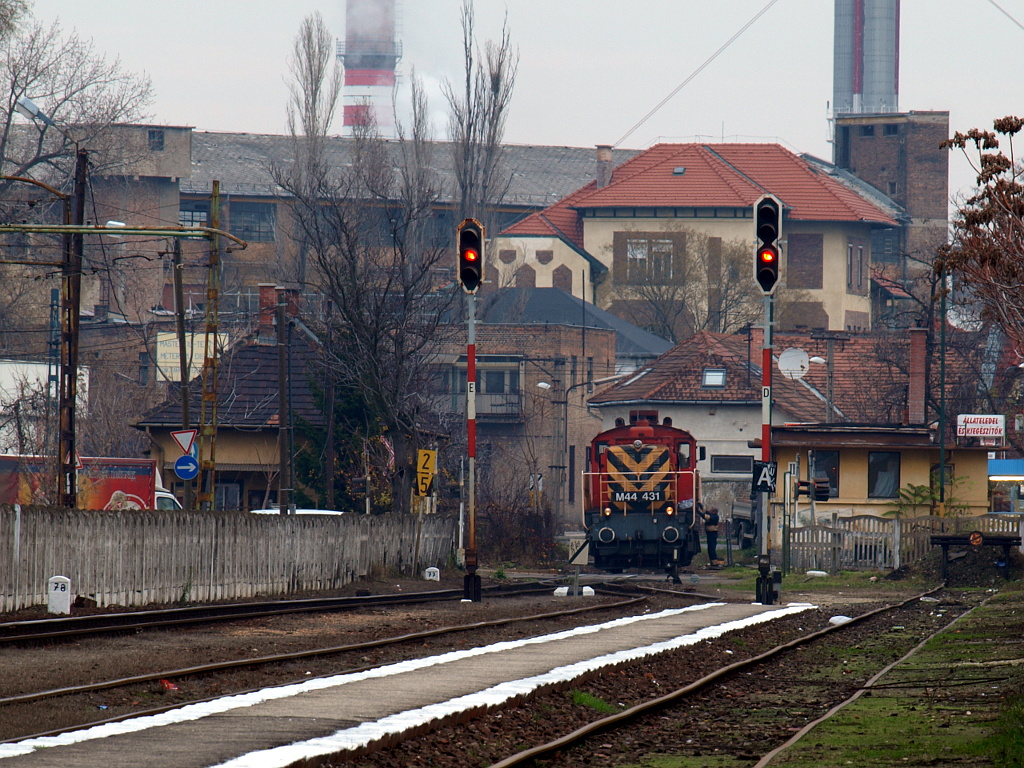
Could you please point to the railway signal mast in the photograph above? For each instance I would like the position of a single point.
(469, 237)
(767, 257)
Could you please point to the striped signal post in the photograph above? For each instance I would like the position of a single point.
(469, 269)
(767, 217)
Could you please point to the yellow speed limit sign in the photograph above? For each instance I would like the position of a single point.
(426, 468)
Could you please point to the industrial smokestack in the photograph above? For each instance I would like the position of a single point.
(865, 78)
(370, 55)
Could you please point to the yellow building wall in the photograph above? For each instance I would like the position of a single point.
(525, 254)
(599, 236)
(969, 467)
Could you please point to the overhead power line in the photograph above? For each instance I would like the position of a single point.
(700, 69)
(1006, 13)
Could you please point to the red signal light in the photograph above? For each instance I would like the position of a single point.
(470, 255)
(767, 255)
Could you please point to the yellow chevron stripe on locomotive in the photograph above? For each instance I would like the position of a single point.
(638, 474)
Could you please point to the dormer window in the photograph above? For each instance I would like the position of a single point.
(714, 377)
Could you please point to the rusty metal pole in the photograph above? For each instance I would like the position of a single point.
(184, 358)
(67, 481)
(208, 414)
(285, 487)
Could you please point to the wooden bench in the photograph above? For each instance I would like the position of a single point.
(976, 539)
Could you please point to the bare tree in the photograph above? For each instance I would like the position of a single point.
(364, 224)
(316, 81)
(11, 13)
(81, 92)
(477, 117)
(683, 281)
(987, 252)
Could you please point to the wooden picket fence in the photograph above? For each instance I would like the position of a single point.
(137, 558)
(869, 542)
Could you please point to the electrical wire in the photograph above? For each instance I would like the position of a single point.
(697, 71)
(1006, 13)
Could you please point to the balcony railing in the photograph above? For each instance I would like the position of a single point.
(495, 407)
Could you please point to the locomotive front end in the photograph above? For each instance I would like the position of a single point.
(642, 497)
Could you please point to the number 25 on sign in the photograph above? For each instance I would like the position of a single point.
(426, 468)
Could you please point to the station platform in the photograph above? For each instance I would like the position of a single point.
(276, 727)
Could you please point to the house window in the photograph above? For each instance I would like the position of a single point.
(948, 481)
(883, 474)
(891, 129)
(194, 213)
(500, 382)
(714, 377)
(867, 130)
(734, 465)
(227, 496)
(254, 222)
(856, 268)
(156, 140)
(648, 257)
(826, 464)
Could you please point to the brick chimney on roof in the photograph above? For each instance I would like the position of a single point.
(268, 313)
(604, 165)
(918, 381)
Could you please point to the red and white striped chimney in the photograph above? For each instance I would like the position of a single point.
(370, 55)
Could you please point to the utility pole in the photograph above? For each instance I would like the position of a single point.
(285, 486)
(184, 358)
(71, 273)
(208, 413)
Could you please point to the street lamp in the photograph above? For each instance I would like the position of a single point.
(71, 301)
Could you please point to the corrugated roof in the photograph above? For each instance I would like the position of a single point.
(539, 175)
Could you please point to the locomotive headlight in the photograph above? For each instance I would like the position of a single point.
(607, 511)
(669, 509)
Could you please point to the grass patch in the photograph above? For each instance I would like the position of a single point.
(584, 699)
(954, 703)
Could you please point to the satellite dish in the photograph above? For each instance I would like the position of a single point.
(793, 363)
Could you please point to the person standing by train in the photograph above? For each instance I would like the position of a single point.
(711, 521)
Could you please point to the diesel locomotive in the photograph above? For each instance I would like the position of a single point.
(642, 489)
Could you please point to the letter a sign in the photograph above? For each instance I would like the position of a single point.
(764, 476)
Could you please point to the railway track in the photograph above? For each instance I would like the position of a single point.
(217, 676)
(70, 627)
(681, 696)
(737, 708)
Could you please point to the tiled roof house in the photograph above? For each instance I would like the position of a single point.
(248, 413)
(858, 405)
(631, 227)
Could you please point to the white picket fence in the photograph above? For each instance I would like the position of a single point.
(138, 558)
(866, 541)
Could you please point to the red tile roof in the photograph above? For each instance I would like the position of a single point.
(716, 175)
(869, 376)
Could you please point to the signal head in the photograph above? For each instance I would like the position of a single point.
(768, 223)
(470, 242)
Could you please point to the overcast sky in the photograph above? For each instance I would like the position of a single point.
(589, 70)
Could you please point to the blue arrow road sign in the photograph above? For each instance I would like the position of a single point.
(186, 467)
